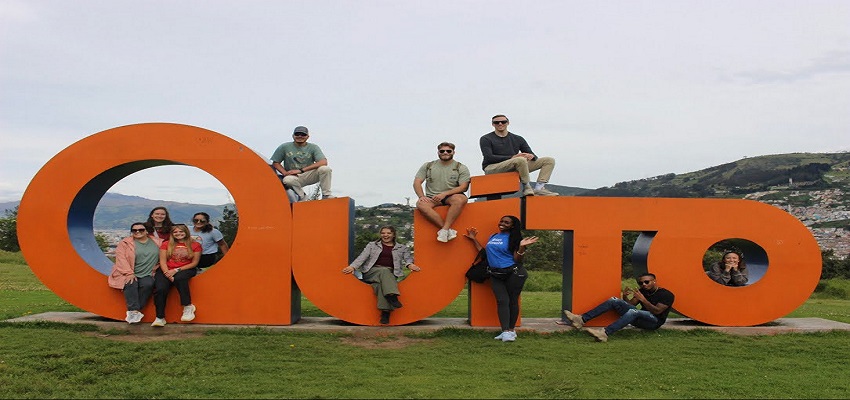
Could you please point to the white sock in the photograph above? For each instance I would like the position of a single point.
(538, 185)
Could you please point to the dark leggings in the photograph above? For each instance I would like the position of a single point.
(207, 260)
(162, 286)
(507, 297)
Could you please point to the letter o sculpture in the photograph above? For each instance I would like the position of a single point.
(57, 211)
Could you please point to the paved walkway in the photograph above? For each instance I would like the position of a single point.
(327, 324)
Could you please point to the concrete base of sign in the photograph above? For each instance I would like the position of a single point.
(328, 324)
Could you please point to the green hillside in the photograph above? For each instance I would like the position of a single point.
(799, 171)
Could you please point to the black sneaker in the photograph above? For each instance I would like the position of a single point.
(385, 317)
(393, 299)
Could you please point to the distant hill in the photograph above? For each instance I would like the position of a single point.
(8, 206)
(118, 211)
(800, 171)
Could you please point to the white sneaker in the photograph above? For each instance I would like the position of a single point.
(136, 317)
(188, 313)
(508, 336)
(501, 335)
(130, 316)
(452, 234)
(442, 235)
(159, 322)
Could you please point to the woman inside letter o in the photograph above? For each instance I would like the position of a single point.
(178, 258)
(210, 238)
(731, 270)
(136, 258)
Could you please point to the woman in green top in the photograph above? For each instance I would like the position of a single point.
(136, 257)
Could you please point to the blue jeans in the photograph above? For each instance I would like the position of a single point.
(628, 315)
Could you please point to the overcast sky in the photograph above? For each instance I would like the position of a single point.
(615, 91)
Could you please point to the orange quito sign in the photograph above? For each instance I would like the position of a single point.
(269, 265)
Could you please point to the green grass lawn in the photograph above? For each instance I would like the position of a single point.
(54, 360)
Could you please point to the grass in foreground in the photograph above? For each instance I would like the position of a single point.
(41, 362)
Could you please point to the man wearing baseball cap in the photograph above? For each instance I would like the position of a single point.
(302, 164)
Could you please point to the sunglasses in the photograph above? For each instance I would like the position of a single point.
(138, 230)
(299, 134)
(499, 122)
(199, 220)
(644, 282)
(446, 151)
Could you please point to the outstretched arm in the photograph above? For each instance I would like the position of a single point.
(472, 234)
(523, 245)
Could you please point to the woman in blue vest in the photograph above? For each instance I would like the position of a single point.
(505, 250)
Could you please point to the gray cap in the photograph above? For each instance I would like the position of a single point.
(301, 129)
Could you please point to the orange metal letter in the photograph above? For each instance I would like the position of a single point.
(250, 285)
(686, 229)
(318, 263)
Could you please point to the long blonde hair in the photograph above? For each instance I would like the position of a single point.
(172, 242)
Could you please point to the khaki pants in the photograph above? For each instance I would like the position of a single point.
(519, 164)
(321, 175)
(383, 283)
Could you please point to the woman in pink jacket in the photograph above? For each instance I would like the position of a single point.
(136, 257)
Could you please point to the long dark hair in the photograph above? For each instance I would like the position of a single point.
(515, 233)
(166, 224)
(208, 227)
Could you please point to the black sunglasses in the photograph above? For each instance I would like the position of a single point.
(199, 220)
(499, 122)
(299, 134)
(138, 230)
(446, 151)
(644, 282)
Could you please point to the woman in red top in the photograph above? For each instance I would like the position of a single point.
(178, 259)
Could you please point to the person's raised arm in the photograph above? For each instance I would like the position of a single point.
(472, 234)
(718, 274)
(739, 277)
(523, 245)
